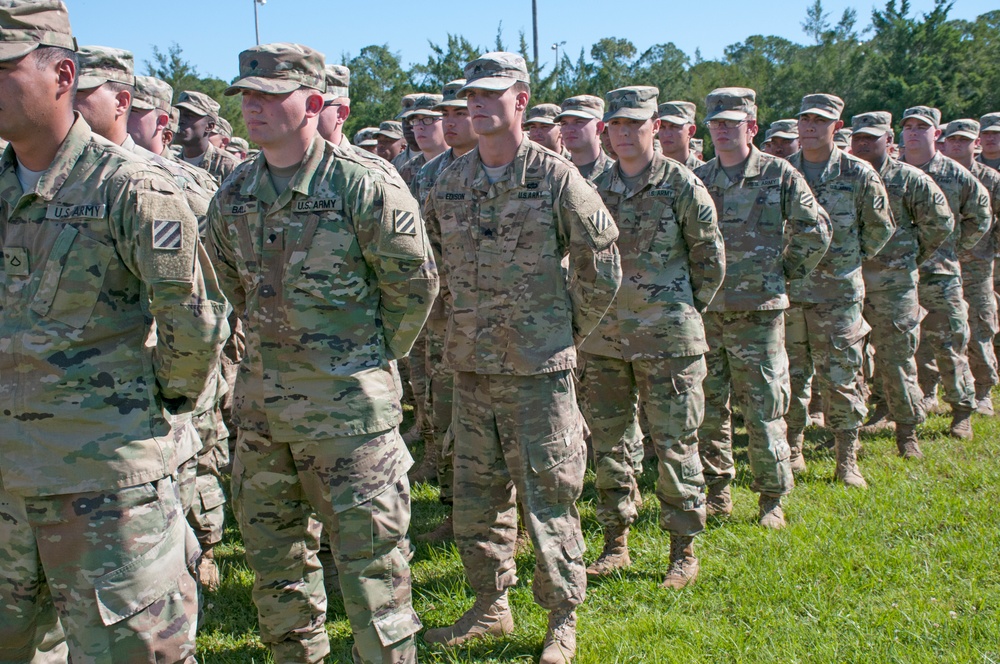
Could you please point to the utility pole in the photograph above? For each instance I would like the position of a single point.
(555, 47)
(534, 28)
(256, 20)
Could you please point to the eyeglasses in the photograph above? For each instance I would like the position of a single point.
(426, 120)
(724, 124)
(331, 102)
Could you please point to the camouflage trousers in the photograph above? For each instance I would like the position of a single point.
(115, 566)
(206, 510)
(982, 303)
(440, 398)
(895, 319)
(826, 341)
(944, 338)
(670, 390)
(420, 382)
(519, 437)
(357, 487)
(748, 359)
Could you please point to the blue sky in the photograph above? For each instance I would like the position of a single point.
(213, 32)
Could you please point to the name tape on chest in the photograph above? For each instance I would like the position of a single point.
(250, 207)
(318, 205)
(451, 196)
(663, 192)
(167, 234)
(84, 211)
(757, 184)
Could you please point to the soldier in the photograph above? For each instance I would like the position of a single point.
(698, 148)
(112, 321)
(923, 222)
(221, 134)
(425, 123)
(502, 217)
(541, 126)
(199, 114)
(842, 139)
(238, 147)
(365, 139)
(774, 233)
(336, 106)
(824, 332)
(960, 140)
(989, 137)
(677, 128)
(389, 138)
(649, 348)
(782, 138)
(581, 122)
(410, 149)
(944, 332)
(336, 285)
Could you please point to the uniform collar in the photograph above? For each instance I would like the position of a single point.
(831, 170)
(258, 181)
(652, 175)
(475, 174)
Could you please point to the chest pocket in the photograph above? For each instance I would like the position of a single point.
(72, 279)
(323, 258)
(658, 229)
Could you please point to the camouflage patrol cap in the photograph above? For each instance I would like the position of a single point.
(876, 123)
(423, 104)
(223, 128)
(926, 114)
(100, 64)
(449, 95)
(966, 128)
(27, 24)
(175, 119)
(989, 122)
(497, 70)
(677, 112)
(823, 105)
(198, 103)
(543, 114)
(637, 102)
(151, 92)
(842, 138)
(390, 129)
(731, 104)
(365, 137)
(787, 128)
(582, 106)
(405, 104)
(338, 81)
(280, 68)
(238, 143)
(696, 144)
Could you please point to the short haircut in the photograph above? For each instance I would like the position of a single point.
(47, 56)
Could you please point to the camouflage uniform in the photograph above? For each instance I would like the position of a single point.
(649, 346)
(515, 319)
(681, 113)
(87, 496)
(217, 162)
(333, 280)
(774, 232)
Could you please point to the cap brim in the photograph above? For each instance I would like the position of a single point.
(393, 136)
(871, 131)
(452, 103)
(271, 86)
(14, 50)
(728, 115)
(488, 83)
(142, 105)
(86, 82)
(548, 122)
(191, 107)
(628, 114)
(368, 143)
(964, 134)
(675, 119)
(577, 114)
(822, 112)
(420, 111)
(787, 135)
(922, 118)
(992, 128)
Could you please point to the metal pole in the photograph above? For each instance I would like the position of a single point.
(256, 22)
(534, 28)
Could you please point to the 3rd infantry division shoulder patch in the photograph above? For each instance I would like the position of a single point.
(166, 234)
(601, 221)
(406, 222)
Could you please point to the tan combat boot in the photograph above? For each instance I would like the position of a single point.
(906, 441)
(427, 471)
(683, 565)
(846, 448)
(879, 420)
(208, 571)
(961, 422)
(615, 554)
(489, 616)
(770, 513)
(796, 460)
(443, 533)
(559, 646)
(719, 500)
(984, 402)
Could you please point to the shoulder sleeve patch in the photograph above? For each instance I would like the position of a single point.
(405, 222)
(167, 234)
(879, 203)
(601, 221)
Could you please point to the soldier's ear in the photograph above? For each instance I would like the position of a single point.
(314, 103)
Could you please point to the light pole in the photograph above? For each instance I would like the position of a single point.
(256, 21)
(555, 47)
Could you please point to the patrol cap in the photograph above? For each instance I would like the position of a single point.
(449, 95)
(823, 105)
(423, 104)
(989, 122)
(926, 114)
(965, 128)
(697, 144)
(731, 104)
(677, 112)
(175, 119)
(280, 68)
(497, 70)
(787, 128)
(876, 123)
(365, 137)
(100, 64)
(338, 81)
(151, 92)
(637, 102)
(27, 24)
(198, 103)
(544, 114)
(237, 144)
(405, 104)
(842, 138)
(223, 128)
(390, 129)
(582, 106)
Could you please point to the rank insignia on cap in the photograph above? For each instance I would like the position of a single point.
(166, 234)
(406, 222)
(601, 220)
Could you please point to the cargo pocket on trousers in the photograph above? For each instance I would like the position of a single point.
(777, 390)
(396, 624)
(559, 464)
(850, 335)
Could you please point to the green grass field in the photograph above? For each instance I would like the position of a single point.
(904, 572)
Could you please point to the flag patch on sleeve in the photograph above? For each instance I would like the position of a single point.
(167, 234)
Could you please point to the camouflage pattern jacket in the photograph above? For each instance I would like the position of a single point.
(603, 164)
(102, 250)
(773, 229)
(693, 162)
(969, 204)
(923, 223)
(992, 163)
(673, 262)
(515, 309)
(333, 279)
(410, 169)
(851, 192)
(218, 163)
(979, 259)
(421, 187)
